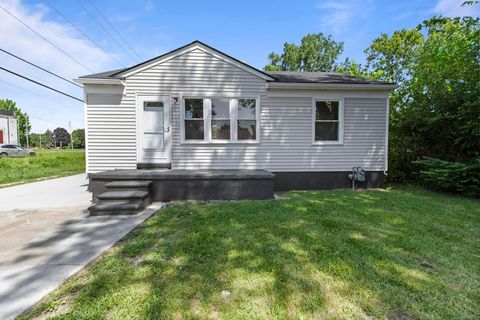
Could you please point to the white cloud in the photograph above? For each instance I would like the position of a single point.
(36, 101)
(17, 38)
(337, 16)
(454, 8)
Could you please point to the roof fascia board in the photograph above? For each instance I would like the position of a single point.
(339, 86)
(194, 46)
(84, 81)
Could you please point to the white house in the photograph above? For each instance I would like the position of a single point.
(198, 108)
(8, 127)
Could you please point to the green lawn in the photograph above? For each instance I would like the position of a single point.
(46, 164)
(404, 253)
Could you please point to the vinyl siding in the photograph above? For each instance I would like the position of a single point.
(286, 140)
(285, 123)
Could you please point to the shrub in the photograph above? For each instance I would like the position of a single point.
(458, 177)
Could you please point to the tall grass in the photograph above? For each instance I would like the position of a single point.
(47, 163)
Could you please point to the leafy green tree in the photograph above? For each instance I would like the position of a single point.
(78, 138)
(41, 140)
(435, 109)
(315, 53)
(22, 119)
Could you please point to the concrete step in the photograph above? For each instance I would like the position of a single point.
(143, 185)
(123, 195)
(115, 208)
(133, 196)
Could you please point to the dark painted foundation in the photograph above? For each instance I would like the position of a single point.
(168, 185)
(315, 180)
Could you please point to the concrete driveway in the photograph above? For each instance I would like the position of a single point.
(46, 236)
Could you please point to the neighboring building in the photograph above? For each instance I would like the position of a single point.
(8, 127)
(198, 108)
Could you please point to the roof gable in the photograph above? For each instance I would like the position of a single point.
(196, 45)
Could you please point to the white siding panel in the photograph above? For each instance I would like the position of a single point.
(111, 135)
(285, 122)
(286, 140)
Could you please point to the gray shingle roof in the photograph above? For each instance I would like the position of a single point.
(279, 76)
(319, 77)
(104, 75)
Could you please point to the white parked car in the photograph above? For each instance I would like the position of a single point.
(12, 150)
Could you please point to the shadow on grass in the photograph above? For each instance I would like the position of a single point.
(329, 254)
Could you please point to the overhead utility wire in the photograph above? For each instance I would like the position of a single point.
(37, 66)
(41, 84)
(83, 33)
(51, 43)
(114, 29)
(104, 29)
(62, 104)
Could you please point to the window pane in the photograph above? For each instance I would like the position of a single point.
(193, 129)
(221, 129)
(246, 108)
(247, 129)
(193, 108)
(221, 108)
(327, 110)
(152, 105)
(326, 131)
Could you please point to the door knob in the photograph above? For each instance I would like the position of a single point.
(167, 130)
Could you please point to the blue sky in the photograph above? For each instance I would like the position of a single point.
(247, 30)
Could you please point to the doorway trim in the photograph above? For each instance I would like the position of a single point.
(139, 100)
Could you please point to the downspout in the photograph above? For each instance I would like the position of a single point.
(387, 121)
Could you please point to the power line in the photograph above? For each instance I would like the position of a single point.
(51, 43)
(35, 93)
(37, 66)
(104, 29)
(114, 29)
(41, 84)
(83, 33)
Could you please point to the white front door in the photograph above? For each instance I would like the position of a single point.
(154, 132)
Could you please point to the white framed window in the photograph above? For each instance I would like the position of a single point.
(220, 120)
(327, 121)
(194, 119)
(247, 119)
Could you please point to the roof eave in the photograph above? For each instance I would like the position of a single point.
(112, 81)
(339, 86)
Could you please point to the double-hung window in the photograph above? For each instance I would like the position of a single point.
(247, 119)
(220, 120)
(194, 120)
(328, 126)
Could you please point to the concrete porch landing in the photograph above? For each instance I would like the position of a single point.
(168, 185)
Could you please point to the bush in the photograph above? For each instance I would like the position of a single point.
(458, 177)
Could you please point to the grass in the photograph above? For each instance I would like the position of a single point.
(404, 253)
(46, 164)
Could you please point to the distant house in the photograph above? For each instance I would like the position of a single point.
(8, 127)
(197, 108)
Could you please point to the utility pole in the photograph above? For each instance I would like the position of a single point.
(27, 124)
(71, 137)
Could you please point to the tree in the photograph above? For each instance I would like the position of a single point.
(61, 137)
(435, 109)
(78, 137)
(22, 119)
(315, 53)
(41, 140)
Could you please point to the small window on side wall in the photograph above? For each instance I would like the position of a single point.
(246, 120)
(327, 121)
(194, 124)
